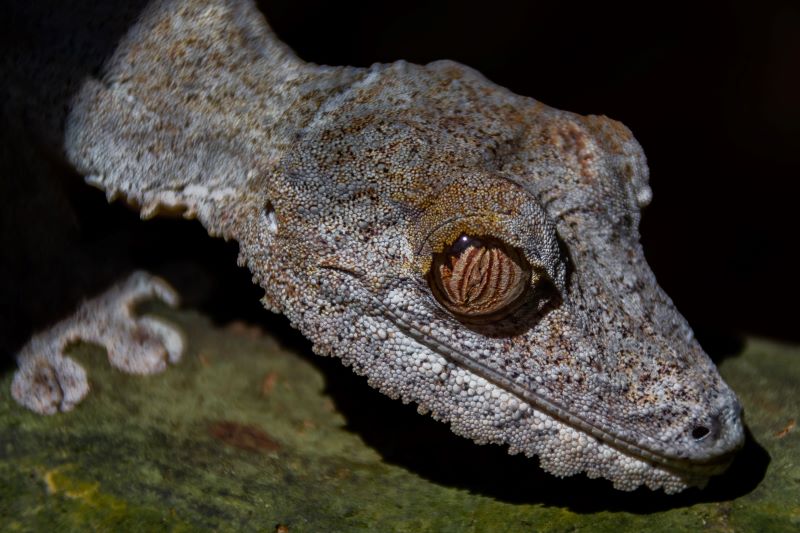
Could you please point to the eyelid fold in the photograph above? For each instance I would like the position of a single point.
(496, 210)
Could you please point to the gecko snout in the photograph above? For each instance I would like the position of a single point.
(719, 434)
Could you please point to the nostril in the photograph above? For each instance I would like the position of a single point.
(700, 432)
(708, 429)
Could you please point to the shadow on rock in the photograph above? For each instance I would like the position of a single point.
(719, 345)
(429, 449)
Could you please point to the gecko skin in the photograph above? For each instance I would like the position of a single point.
(467, 249)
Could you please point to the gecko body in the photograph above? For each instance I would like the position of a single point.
(467, 249)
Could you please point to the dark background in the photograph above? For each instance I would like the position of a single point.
(709, 90)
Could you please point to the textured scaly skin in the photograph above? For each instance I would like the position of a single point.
(340, 184)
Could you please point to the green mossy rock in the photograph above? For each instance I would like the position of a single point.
(246, 435)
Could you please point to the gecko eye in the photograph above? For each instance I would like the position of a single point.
(479, 277)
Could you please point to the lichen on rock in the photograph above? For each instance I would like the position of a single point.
(246, 435)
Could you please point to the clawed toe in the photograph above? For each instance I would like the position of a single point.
(47, 385)
(47, 381)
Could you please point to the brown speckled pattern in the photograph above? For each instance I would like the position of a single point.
(341, 184)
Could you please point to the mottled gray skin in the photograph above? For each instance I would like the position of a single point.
(341, 183)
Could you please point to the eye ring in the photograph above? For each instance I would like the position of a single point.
(480, 278)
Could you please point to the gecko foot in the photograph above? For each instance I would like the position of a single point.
(47, 381)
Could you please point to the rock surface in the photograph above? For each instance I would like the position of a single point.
(246, 434)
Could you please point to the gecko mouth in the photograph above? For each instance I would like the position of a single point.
(648, 449)
(722, 434)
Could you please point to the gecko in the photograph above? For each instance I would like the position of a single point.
(464, 248)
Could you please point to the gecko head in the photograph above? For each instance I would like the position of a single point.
(478, 254)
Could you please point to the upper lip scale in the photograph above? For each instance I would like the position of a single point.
(713, 462)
